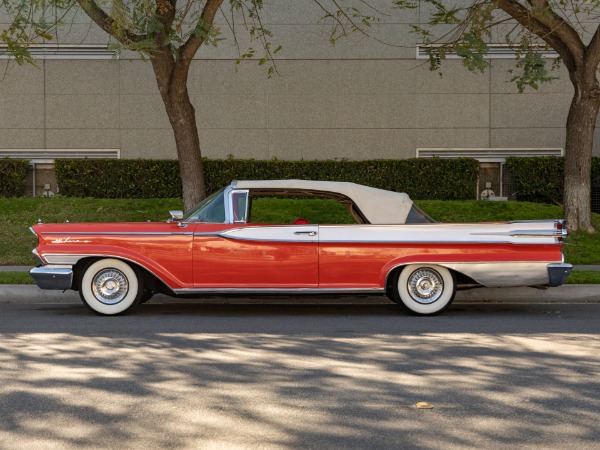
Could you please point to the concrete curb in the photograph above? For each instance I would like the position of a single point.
(575, 293)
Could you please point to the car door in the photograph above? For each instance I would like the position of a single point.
(242, 256)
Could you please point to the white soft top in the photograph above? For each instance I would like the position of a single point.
(377, 205)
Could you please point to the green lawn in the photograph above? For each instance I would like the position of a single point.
(580, 247)
(584, 277)
(17, 215)
(15, 278)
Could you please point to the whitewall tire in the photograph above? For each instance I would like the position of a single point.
(424, 289)
(110, 286)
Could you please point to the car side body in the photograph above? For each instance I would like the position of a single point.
(217, 249)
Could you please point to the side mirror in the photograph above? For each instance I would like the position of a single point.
(176, 215)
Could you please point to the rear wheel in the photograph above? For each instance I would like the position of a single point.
(110, 286)
(422, 289)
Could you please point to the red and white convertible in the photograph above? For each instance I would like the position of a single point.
(223, 246)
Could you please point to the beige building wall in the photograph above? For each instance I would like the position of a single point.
(358, 99)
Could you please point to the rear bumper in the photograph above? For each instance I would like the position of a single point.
(558, 273)
(53, 277)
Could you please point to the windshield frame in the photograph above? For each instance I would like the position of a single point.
(188, 217)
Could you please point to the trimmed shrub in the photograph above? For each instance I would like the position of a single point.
(12, 177)
(118, 178)
(435, 178)
(541, 179)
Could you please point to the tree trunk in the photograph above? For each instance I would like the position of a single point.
(171, 77)
(183, 121)
(578, 159)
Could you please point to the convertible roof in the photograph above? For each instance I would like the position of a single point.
(377, 205)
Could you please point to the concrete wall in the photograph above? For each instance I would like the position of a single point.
(358, 99)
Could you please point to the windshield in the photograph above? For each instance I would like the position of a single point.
(211, 209)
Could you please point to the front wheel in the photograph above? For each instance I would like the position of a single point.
(424, 289)
(110, 286)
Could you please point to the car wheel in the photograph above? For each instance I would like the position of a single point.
(110, 286)
(424, 289)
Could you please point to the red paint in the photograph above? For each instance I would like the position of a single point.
(183, 260)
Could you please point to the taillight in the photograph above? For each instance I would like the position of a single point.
(561, 230)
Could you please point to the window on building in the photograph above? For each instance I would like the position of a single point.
(495, 51)
(495, 180)
(41, 179)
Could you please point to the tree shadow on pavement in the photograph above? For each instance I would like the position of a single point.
(213, 376)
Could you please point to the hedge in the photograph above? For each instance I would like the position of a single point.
(435, 178)
(541, 179)
(12, 177)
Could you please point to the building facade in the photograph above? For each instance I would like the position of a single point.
(357, 99)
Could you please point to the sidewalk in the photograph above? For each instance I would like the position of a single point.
(573, 293)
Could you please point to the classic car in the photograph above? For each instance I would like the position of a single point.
(233, 242)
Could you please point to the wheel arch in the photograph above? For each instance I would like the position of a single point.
(462, 281)
(151, 279)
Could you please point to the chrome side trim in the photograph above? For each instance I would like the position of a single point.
(279, 291)
(37, 257)
(535, 221)
(495, 274)
(120, 233)
(273, 233)
(500, 274)
(57, 258)
(122, 258)
(52, 277)
(33, 231)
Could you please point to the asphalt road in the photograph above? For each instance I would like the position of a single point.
(300, 376)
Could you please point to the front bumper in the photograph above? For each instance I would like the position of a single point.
(53, 277)
(558, 273)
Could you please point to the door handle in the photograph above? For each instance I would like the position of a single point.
(310, 233)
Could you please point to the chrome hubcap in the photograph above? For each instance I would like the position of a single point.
(110, 286)
(425, 286)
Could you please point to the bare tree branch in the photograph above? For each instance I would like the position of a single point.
(549, 27)
(593, 54)
(105, 22)
(191, 46)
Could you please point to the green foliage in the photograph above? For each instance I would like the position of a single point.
(466, 28)
(286, 210)
(12, 176)
(421, 178)
(112, 178)
(584, 277)
(141, 25)
(533, 70)
(542, 179)
(15, 278)
(18, 214)
(580, 248)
